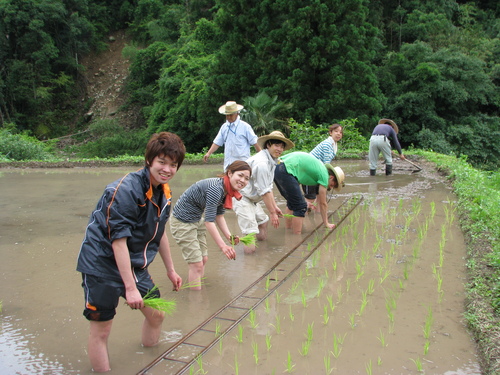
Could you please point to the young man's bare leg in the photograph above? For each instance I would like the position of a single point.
(195, 274)
(297, 223)
(151, 328)
(262, 235)
(98, 345)
(288, 220)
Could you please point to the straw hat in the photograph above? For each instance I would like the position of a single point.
(339, 175)
(230, 108)
(261, 141)
(389, 122)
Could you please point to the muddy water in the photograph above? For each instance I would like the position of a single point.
(383, 294)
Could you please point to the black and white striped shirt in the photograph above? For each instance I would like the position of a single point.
(205, 196)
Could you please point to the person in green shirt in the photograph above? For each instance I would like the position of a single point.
(298, 168)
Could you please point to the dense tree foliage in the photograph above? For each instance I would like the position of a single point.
(431, 66)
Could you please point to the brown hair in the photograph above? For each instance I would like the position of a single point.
(335, 126)
(238, 165)
(166, 144)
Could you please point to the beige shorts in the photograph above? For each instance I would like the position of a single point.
(191, 237)
(250, 215)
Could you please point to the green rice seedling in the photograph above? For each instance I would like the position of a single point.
(305, 348)
(199, 361)
(364, 302)
(406, 272)
(217, 329)
(337, 346)
(290, 314)
(157, 303)
(219, 349)
(326, 317)
(268, 283)
(239, 336)
(359, 271)
(428, 323)
(277, 326)
(304, 298)
(255, 348)
(418, 363)
(348, 285)
(385, 276)
(193, 283)
(310, 331)
(278, 297)
(379, 361)
(289, 364)
(267, 307)
(346, 253)
(268, 341)
(340, 294)
(331, 303)
(334, 264)
(236, 367)
(368, 367)
(251, 319)
(371, 287)
(315, 258)
(381, 338)
(328, 365)
(426, 347)
(352, 320)
(401, 284)
(321, 285)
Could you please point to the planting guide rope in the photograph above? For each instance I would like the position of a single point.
(179, 357)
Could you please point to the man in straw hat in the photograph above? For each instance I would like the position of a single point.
(235, 135)
(251, 216)
(303, 168)
(380, 141)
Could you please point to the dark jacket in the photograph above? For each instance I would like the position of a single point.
(128, 208)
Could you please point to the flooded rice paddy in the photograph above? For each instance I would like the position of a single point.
(382, 294)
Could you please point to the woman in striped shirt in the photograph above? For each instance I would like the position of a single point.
(209, 198)
(324, 152)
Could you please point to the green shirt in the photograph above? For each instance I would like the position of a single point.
(306, 168)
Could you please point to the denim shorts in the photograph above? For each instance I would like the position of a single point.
(102, 295)
(289, 188)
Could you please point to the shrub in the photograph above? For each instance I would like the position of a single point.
(21, 147)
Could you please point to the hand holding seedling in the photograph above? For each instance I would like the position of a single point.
(134, 299)
(228, 250)
(235, 240)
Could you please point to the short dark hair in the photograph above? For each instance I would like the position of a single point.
(271, 142)
(166, 144)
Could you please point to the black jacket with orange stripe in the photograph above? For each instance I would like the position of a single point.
(129, 207)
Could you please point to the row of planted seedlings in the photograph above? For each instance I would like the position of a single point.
(353, 305)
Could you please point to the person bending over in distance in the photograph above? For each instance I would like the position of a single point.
(303, 168)
(251, 216)
(325, 151)
(198, 210)
(383, 134)
(235, 135)
(123, 236)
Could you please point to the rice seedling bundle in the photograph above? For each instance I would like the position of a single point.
(249, 239)
(157, 303)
